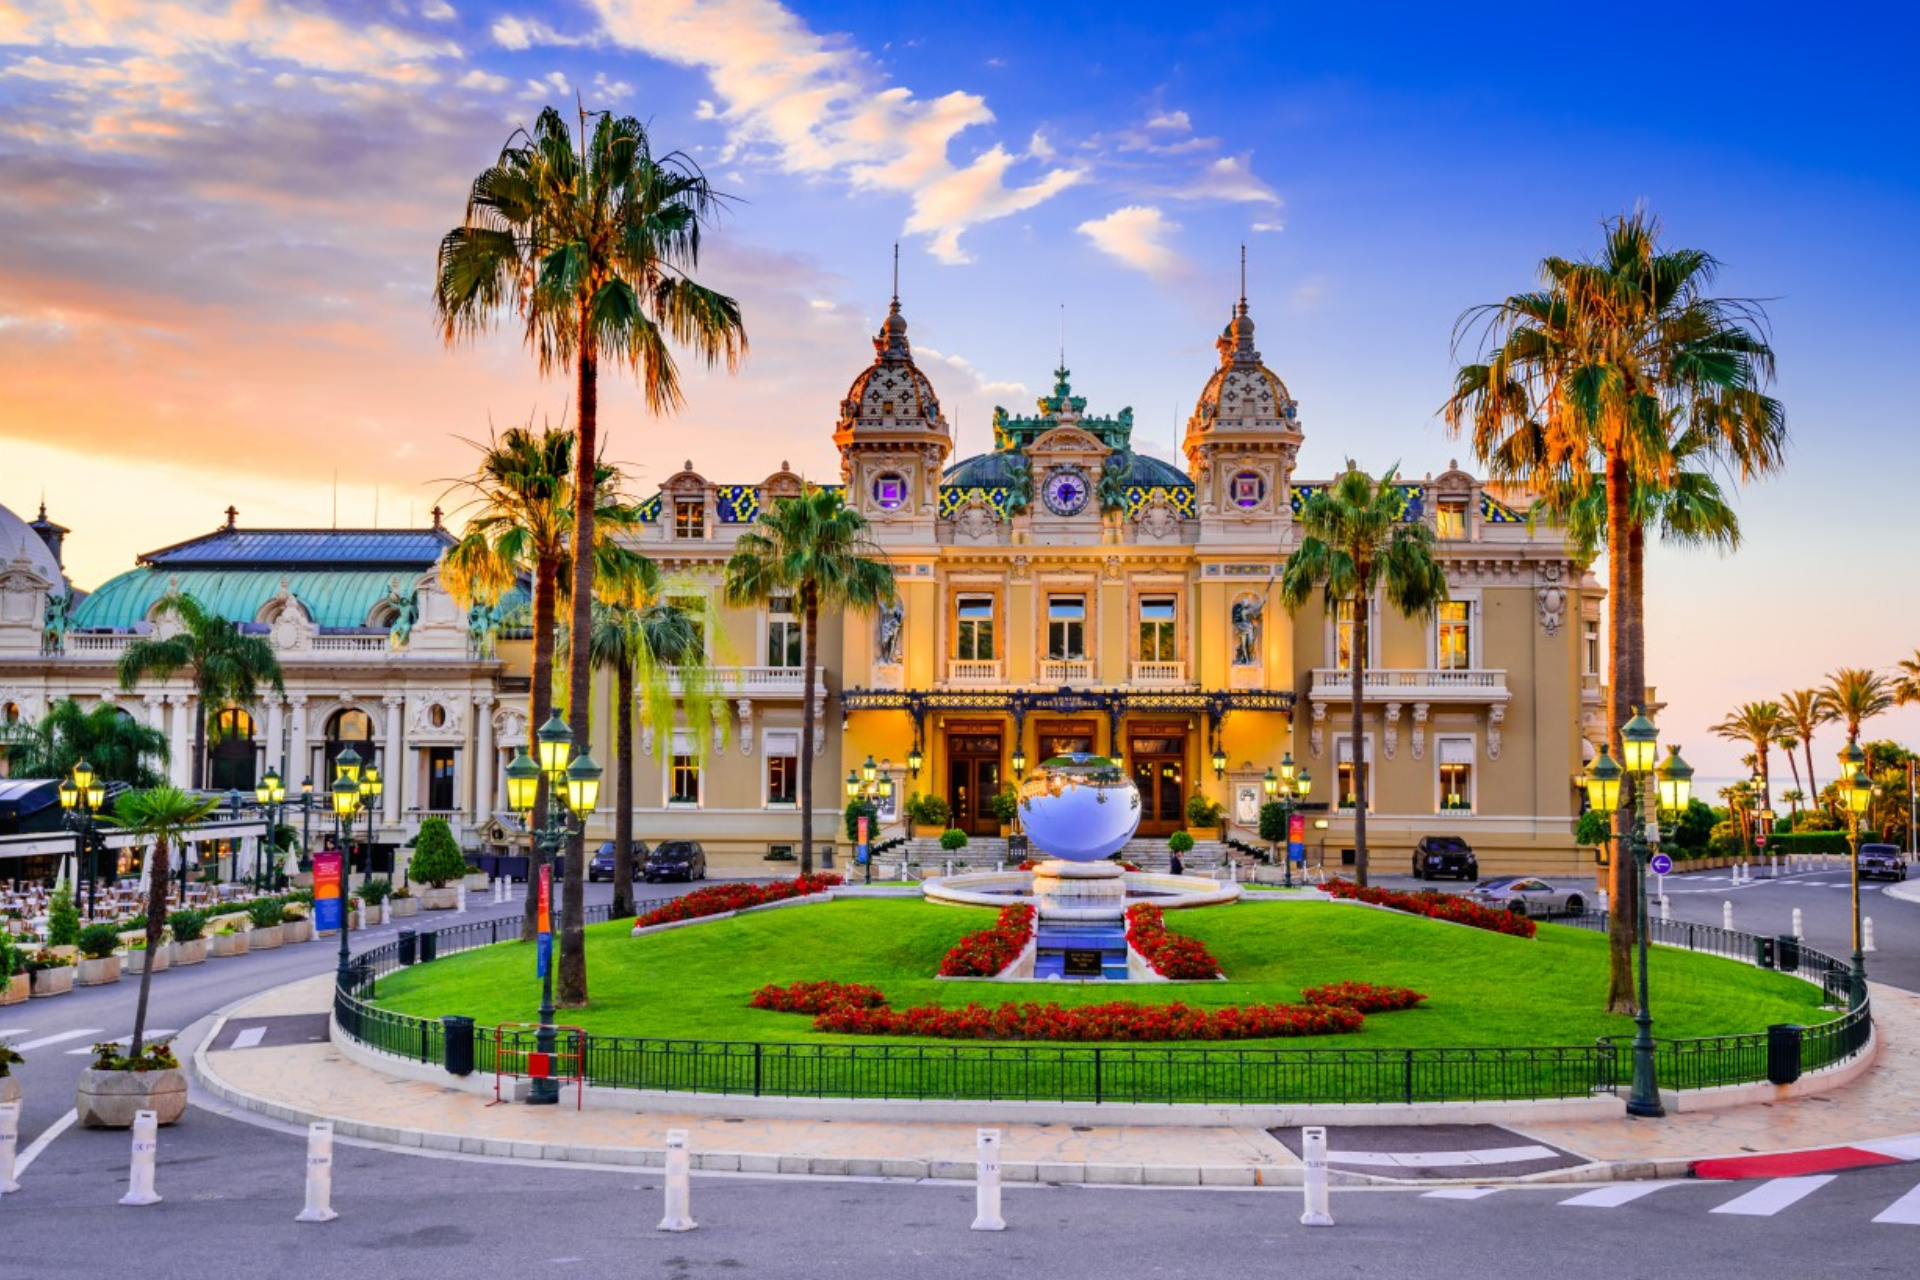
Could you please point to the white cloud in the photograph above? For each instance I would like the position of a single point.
(1136, 236)
(1229, 178)
(1269, 224)
(610, 91)
(1178, 121)
(510, 32)
(478, 79)
(438, 11)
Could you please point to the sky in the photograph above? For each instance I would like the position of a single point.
(218, 221)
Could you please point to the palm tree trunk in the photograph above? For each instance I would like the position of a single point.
(810, 625)
(623, 790)
(1766, 788)
(1358, 667)
(539, 707)
(573, 901)
(1622, 632)
(156, 922)
(1813, 787)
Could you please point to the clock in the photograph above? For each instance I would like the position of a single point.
(1066, 491)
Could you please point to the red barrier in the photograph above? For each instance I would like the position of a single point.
(513, 1056)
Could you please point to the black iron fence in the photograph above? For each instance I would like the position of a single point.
(1123, 1074)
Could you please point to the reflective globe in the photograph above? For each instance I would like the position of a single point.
(1079, 808)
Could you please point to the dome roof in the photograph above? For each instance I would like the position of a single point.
(18, 540)
(1243, 393)
(992, 470)
(892, 394)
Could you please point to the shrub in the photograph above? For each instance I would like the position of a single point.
(1006, 804)
(1180, 842)
(1593, 829)
(1808, 842)
(1168, 954)
(1202, 812)
(98, 941)
(1273, 822)
(375, 890)
(187, 924)
(1364, 996)
(953, 839)
(1121, 1020)
(157, 1056)
(63, 919)
(11, 960)
(263, 913)
(436, 856)
(817, 997)
(721, 898)
(293, 912)
(43, 959)
(858, 809)
(984, 953)
(1694, 826)
(928, 811)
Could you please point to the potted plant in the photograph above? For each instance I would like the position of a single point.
(1203, 817)
(52, 973)
(138, 957)
(403, 904)
(264, 915)
(15, 985)
(375, 890)
(118, 1084)
(9, 1087)
(437, 862)
(1180, 843)
(1006, 807)
(929, 815)
(296, 925)
(953, 839)
(229, 940)
(189, 928)
(99, 961)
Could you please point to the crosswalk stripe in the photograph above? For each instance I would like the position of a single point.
(1905, 1210)
(1460, 1193)
(250, 1038)
(1774, 1195)
(152, 1035)
(8, 1033)
(1617, 1194)
(44, 1041)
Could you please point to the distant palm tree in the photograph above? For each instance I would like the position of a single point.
(1805, 712)
(119, 747)
(1788, 744)
(1906, 685)
(818, 551)
(1760, 724)
(1854, 695)
(226, 667)
(163, 815)
(1356, 543)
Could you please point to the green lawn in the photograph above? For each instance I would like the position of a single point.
(1483, 988)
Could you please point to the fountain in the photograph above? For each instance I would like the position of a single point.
(1080, 810)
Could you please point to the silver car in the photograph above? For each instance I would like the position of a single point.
(1527, 896)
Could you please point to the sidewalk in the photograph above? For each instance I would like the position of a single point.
(302, 1082)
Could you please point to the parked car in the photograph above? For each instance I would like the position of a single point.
(601, 867)
(677, 860)
(1882, 862)
(1437, 856)
(1527, 896)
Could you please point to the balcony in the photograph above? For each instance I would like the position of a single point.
(363, 646)
(1158, 675)
(1412, 684)
(753, 682)
(1068, 672)
(974, 671)
(106, 644)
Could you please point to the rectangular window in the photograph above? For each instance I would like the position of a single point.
(783, 767)
(974, 618)
(696, 609)
(1159, 641)
(783, 633)
(683, 771)
(1456, 635)
(1345, 784)
(1450, 520)
(1456, 774)
(1343, 635)
(440, 779)
(1593, 647)
(689, 519)
(1066, 627)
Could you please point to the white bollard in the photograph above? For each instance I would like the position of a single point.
(1313, 1152)
(1866, 934)
(679, 1216)
(460, 900)
(9, 1140)
(146, 1140)
(986, 1196)
(1603, 899)
(319, 1174)
(1666, 907)
(1798, 931)
(1726, 915)
(386, 912)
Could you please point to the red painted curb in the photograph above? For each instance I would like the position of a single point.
(1787, 1164)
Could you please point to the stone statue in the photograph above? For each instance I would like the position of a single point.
(1114, 476)
(892, 619)
(406, 610)
(481, 626)
(58, 621)
(1246, 631)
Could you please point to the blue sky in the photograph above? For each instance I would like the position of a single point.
(217, 232)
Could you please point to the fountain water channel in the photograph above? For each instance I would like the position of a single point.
(1079, 810)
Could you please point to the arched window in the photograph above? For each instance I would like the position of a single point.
(350, 727)
(230, 751)
(10, 713)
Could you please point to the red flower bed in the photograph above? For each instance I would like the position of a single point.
(722, 898)
(1169, 954)
(1437, 906)
(1363, 996)
(987, 952)
(817, 997)
(1119, 1021)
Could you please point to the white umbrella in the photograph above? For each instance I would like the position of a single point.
(146, 873)
(64, 879)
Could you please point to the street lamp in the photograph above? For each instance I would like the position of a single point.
(82, 794)
(271, 794)
(1852, 760)
(914, 761)
(1019, 762)
(1288, 788)
(874, 785)
(306, 818)
(1219, 759)
(346, 804)
(1857, 786)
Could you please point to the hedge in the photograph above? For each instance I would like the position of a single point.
(1810, 842)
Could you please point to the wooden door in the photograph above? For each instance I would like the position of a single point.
(1157, 757)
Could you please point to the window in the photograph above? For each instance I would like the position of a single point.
(783, 767)
(1456, 635)
(690, 519)
(890, 491)
(1343, 636)
(783, 633)
(1450, 519)
(1066, 627)
(696, 610)
(683, 771)
(974, 617)
(1456, 774)
(1247, 489)
(1159, 641)
(1593, 646)
(1345, 785)
(440, 779)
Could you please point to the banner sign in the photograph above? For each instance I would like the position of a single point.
(328, 865)
(543, 921)
(860, 843)
(1296, 837)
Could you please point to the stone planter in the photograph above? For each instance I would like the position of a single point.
(108, 1099)
(478, 882)
(18, 988)
(439, 899)
(9, 1090)
(229, 944)
(136, 958)
(53, 982)
(1204, 833)
(267, 939)
(98, 973)
(301, 879)
(927, 832)
(294, 931)
(404, 907)
(194, 952)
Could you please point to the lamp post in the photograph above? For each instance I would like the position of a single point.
(1288, 788)
(1856, 786)
(371, 788)
(272, 796)
(82, 795)
(573, 792)
(346, 804)
(306, 818)
(873, 784)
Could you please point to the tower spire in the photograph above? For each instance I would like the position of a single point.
(896, 275)
(1243, 277)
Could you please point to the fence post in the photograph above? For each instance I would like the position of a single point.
(146, 1139)
(1726, 916)
(679, 1184)
(1313, 1153)
(319, 1207)
(757, 1060)
(1407, 1082)
(986, 1197)
(1096, 1076)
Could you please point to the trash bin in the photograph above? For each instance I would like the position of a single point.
(458, 1039)
(429, 946)
(407, 947)
(1763, 952)
(1783, 1052)
(1786, 952)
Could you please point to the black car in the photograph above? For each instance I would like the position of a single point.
(677, 860)
(601, 867)
(1882, 862)
(1437, 856)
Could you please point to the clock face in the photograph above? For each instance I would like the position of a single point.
(1066, 492)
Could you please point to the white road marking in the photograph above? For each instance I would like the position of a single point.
(44, 1041)
(1460, 1193)
(1443, 1159)
(1619, 1193)
(8, 1032)
(250, 1038)
(42, 1142)
(1907, 1148)
(152, 1035)
(1905, 1210)
(1772, 1196)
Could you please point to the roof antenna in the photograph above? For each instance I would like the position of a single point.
(1243, 277)
(896, 275)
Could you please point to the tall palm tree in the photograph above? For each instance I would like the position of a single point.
(1906, 681)
(1788, 744)
(1760, 724)
(593, 250)
(119, 747)
(226, 667)
(163, 815)
(817, 550)
(1854, 695)
(1593, 374)
(1356, 543)
(1805, 712)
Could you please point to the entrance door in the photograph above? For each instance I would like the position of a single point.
(973, 776)
(1158, 759)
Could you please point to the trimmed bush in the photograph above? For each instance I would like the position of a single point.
(1180, 842)
(188, 925)
(63, 919)
(375, 890)
(858, 809)
(98, 941)
(1273, 822)
(953, 839)
(1800, 842)
(263, 913)
(12, 959)
(928, 811)
(1006, 804)
(1202, 812)
(437, 859)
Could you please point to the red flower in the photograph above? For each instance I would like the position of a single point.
(817, 997)
(1364, 996)
(987, 952)
(1168, 954)
(721, 898)
(1437, 906)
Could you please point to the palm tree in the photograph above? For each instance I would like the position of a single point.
(163, 815)
(119, 747)
(1805, 712)
(593, 250)
(1906, 684)
(226, 667)
(1355, 543)
(1788, 744)
(1854, 695)
(1595, 373)
(1758, 723)
(817, 550)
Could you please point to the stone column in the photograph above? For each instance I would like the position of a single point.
(298, 760)
(485, 761)
(180, 768)
(276, 739)
(395, 772)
